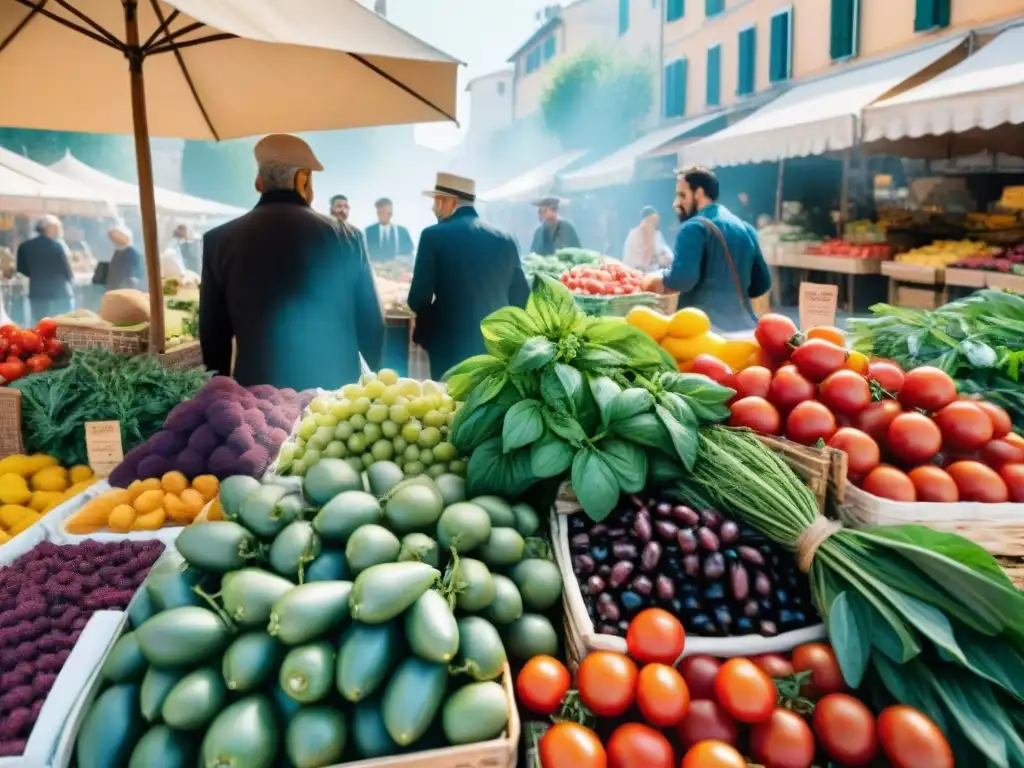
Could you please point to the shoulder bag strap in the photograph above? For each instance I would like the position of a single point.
(713, 228)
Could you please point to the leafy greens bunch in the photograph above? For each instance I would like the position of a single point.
(929, 616)
(563, 392)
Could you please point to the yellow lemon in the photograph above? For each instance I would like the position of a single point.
(689, 322)
(650, 322)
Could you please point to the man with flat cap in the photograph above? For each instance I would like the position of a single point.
(293, 288)
(554, 232)
(465, 269)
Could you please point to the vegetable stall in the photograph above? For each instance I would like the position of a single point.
(605, 542)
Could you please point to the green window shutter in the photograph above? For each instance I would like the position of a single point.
(549, 47)
(713, 7)
(675, 10)
(675, 88)
(747, 67)
(681, 87)
(844, 30)
(670, 90)
(623, 17)
(714, 76)
(780, 50)
(931, 14)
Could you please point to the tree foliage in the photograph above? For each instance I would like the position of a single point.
(595, 97)
(223, 171)
(108, 153)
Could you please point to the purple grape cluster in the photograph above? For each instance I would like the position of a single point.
(46, 598)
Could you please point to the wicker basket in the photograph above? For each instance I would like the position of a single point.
(815, 466)
(11, 440)
(619, 306)
(124, 341)
(183, 357)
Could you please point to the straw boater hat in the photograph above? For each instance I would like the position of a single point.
(450, 185)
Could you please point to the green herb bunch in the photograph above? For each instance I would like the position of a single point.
(561, 392)
(928, 618)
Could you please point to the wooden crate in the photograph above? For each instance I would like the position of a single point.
(1004, 281)
(909, 296)
(913, 273)
(124, 341)
(966, 278)
(183, 357)
(11, 439)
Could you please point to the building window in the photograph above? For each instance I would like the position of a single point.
(533, 60)
(780, 61)
(501, 89)
(747, 65)
(713, 7)
(623, 17)
(845, 29)
(714, 75)
(549, 48)
(675, 88)
(675, 10)
(931, 14)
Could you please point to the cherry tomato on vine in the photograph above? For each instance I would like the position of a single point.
(700, 672)
(633, 745)
(820, 660)
(607, 683)
(47, 327)
(817, 359)
(757, 414)
(846, 730)
(809, 422)
(655, 635)
(913, 438)
(783, 741)
(888, 482)
(773, 333)
(862, 453)
(542, 684)
(927, 388)
(1013, 476)
(570, 745)
(747, 693)
(707, 719)
(934, 484)
(755, 381)
(964, 425)
(712, 367)
(911, 740)
(845, 392)
(1001, 422)
(789, 388)
(889, 376)
(874, 420)
(1001, 451)
(773, 664)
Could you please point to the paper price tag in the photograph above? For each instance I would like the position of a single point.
(103, 444)
(818, 304)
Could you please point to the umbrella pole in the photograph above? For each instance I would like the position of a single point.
(144, 163)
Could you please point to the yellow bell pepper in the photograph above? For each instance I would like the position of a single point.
(689, 323)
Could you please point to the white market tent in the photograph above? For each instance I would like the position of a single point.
(26, 187)
(124, 194)
(819, 116)
(535, 183)
(971, 106)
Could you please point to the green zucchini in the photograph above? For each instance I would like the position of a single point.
(431, 630)
(195, 700)
(233, 493)
(421, 548)
(412, 699)
(250, 662)
(125, 662)
(481, 653)
(110, 729)
(182, 637)
(366, 655)
(293, 549)
(163, 747)
(156, 684)
(382, 592)
(260, 514)
(244, 735)
(217, 547)
(339, 517)
(369, 734)
(499, 510)
(315, 737)
(307, 672)
(249, 595)
(308, 611)
(507, 605)
(413, 506)
(504, 548)
(330, 565)
(532, 635)
(476, 712)
(371, 545)
(463, 525)
(539, 583)
(476, 587)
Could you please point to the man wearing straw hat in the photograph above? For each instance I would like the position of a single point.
(465, 270)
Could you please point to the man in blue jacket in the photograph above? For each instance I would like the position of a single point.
(465, 270)
(718, 265)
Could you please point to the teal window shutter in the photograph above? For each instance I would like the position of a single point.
(713, 7)
(844, 29)
(675, 10)
(931, 14)
(780, 52)
(747, 65)
(714, 76)
(681, 87)
(675, 88)
(549, 47)
(623, 17)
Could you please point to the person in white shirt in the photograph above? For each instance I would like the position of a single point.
(645, 247)
(386, 240)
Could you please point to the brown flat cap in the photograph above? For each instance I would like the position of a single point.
(285, 149)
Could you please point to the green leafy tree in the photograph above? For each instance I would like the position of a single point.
(108, 153)
(595, 97)
(223, 171)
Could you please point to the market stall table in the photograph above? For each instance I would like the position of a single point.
(805, 263)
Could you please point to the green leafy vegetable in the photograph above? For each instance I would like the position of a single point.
(523, 425)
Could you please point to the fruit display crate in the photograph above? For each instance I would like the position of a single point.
(11, 440)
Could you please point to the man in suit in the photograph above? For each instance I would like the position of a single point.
(465, 270)
(386, 240)
(293, 288)
(44, 261)
(554, 232)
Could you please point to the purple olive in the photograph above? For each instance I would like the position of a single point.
(598, 529)
(621, 572)
(707, 539)
(685, 515)
(617, 533)
(604, 570)
(643, 585)
(642, 526)
(751, 609)
(729, 532)
(714, 566)
(650, 557)
(768, 628)
(664, 509)
(691, 564)
(710, 518)
(750, 555)
(624, 550)
(686, 540)
(580, 541)
(636, 501)
(606, 607)
(666, 530)
(739, 581)
(666, 589)
(762, 584)
(583, 565)
(595, 585)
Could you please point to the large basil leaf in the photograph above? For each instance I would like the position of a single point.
(630, 341)
(551, 307)
(564, 426)
(681, 425)
(627, 460)
(552, 392)
(526, 384)
(604, 391)
(629, 403)
(535, 353)
(523, 424)
(506, 330)
(593, 358)
(470, 373)
(664, 470)
(491, 471)
(850, 633)
(706, 398)
(571, 381)
(594, 483)
(996, 661)
(550, 456)
(472, 426)
(646, 429)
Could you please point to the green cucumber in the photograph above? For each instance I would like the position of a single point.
(532, 635)
(307, 672)
(315, 737)
(339, 517)
(217, 547)
(452, 488)
(476, 712)
(162, 747)
(499, 510)
(156, 684)
(371, 545)
(504, 548)
(293, 549)
(481, 653)
(507, 605)
(170, 585)
(382, 476)
(369, 733)
(182, 637)
(233, 493)
(527, 519)
(539, 583)
(464, 525)
(308, 611)
(110, 729)
(249, 595)
(195, 700)
(476, 586)
(260, 514)
(382, 592)
(330, 565)
(421, 548)
(250, 662)
(125, 662)
(329, 477)
(413, 506)
(366, 655)
(244, 735)
(431, 629)
(140, 608)
(412, 699)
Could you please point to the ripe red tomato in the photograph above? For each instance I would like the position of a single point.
(633, 745)
(913, 438)
(700, 672)
(845, 392)
(662, 695)
(53, 347)
(965, 427)
(934, 484)
(773, 333)
(820, 659)
(13, 369)
(542, 684)
(977, 482)
(655, 635)
(911, 740)
(1015, 439)
(707, 719)
(757, 414)
(789, 388)
(810, 422)
(927, 388)
(38, 363)
(9, 331)
(711, 367)
(874, 420)
(713, 754)
(889, 483)
(1001, 422)
(607, 683)
(747, 693)
(862, 453)
(846, 729)
(888, 375)
(1013, 476)
(1001, 451)
(30, 341)
(570, 745)
(817, 359)
(784, 741)
(47, 327)
(773, 664)
(755, 381)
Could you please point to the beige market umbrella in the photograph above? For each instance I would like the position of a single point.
(211, 69)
